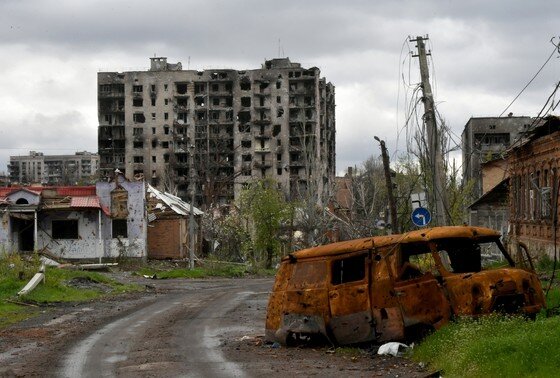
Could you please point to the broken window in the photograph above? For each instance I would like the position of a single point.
(137, 144)
(246, 158)
(276, 130)
(183, 117)
(138, 118)
(137, 102)
(246, 143)
(229, 115)
(216, 101)
(244, 116)
(279, 157)
(278, 84)
(228, 87)
(138, 159)
(201, 116)
(65, 229)
(166, 101)
(153, 130)
(350, 269)
(119, 228)
(154, 143)
(137, 89)
(280, 112)
(199, 101)
(105, 88)
(164, 144)
(245, 101)
(245, 85)
(154, 159)
(244, 128)
(137, 131)
(199, 88)
(262, 101)
(229, 101)
(215, 87)
(278, 99)
(165, 87)
(279, 171)
(215, 115)
(181, 88)
(166, 130)
(165, 116)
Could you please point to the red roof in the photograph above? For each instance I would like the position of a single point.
(89, 201)
(60, 190)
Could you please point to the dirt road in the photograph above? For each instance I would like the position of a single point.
(191, 328)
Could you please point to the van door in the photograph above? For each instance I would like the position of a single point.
(420, 293)
(349, 298)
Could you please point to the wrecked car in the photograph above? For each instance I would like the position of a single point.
(395, 287)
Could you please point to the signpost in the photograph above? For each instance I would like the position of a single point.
(421, 216)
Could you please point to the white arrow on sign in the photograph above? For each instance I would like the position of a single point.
(421, 216)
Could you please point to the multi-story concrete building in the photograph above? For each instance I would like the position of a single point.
(485, 139)
(274, 122)
(80, 168)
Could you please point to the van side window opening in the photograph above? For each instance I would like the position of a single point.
(461, 256)
(416, 260)
(349, 270)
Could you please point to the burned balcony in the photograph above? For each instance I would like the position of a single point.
(262, 164)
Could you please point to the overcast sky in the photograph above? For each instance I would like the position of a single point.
(483, 53)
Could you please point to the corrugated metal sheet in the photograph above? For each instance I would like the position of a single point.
(89, 201)
(173, 202)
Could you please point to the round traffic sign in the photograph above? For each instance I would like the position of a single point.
(421, 216)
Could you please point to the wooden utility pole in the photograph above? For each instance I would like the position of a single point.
(389, 183)
(438, 197)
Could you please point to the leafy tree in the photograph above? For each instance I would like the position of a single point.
(264, 207)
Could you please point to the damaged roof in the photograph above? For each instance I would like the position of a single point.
(423, 235)
(173, 202)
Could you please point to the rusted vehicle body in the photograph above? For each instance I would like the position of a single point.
(395, 287)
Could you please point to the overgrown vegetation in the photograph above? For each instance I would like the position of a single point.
(60, 286)
(496, 346)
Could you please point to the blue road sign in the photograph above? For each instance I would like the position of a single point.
(421, 216)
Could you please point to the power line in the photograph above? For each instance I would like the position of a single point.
(555, 49)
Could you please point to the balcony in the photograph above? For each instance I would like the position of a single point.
(260, 164)
(262, 150)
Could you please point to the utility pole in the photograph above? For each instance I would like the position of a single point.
(438, 196)
(389, 183)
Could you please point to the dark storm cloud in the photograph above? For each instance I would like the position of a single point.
(483, 53)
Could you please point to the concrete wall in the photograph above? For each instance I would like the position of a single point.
(87, 246)
(135, 245)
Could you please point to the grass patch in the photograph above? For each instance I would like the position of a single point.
(494, 346)
(60, 286)
(209, 269)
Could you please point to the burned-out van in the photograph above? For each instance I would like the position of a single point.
(395, 287)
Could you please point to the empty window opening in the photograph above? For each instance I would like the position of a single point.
(216, 101)
(201, 116)
(153, 88)
(280, 112)
(278, 99)
(137, 131)
(262, 101)
(165, 87)
(137, 89)
(246, 101)
(276, 130)
(245, 85)
(153, 102)
(65, 229)
(153, 116)
(229, 101)
(244, 117)
(279, 171)
(138, 144)
(246, 158)
(229, 115)
(166, 101)
(119, 228)
(278, 84)
(137, 102)
(349, 270)
(166, 130)
(138, 118)
(199, 101)
(246, 143)
(279, 157)
(182, 88)
(165, 115)
(215, 87)
(154, 159)
(183, 102)
(138, 159)
(199, 88)
(153, 130)
(154, 143)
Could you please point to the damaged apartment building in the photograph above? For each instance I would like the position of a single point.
(215, 130)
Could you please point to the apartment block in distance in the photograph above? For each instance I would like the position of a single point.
(38, 168)
(485, 139)
(216, 130)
